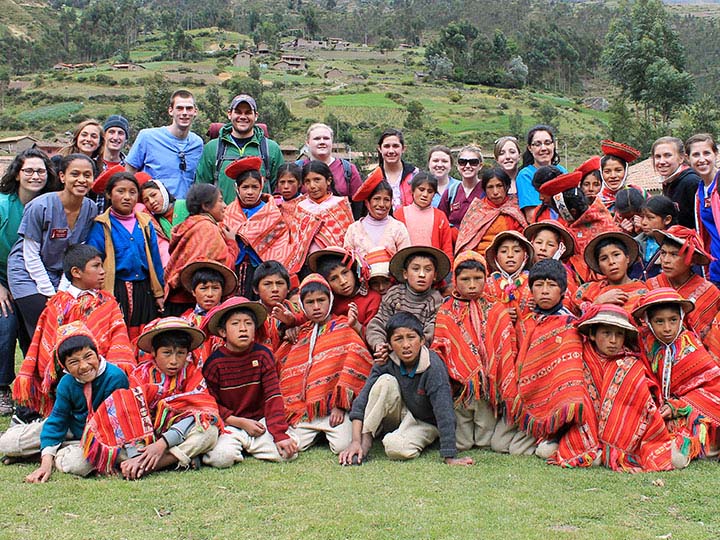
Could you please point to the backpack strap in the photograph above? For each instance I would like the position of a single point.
(452, 192)
(265, 154)
(348, 172)
(219, 158)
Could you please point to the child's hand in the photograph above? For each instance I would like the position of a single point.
(227, 233)
(253, 428)
(283, 314)
(459, 461)
(150, 456)
(287, 448)
(291, 334)
(43, 472)
(352, 314)
(627, 226)
(666, 412)
(354, 449)
(637, 223)
(381, 354)
(5, 301)
(160, 303)
(613, 296)
(513, 314)
(336, 417)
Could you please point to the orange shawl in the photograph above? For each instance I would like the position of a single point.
(587, 293)
(479, 220)
(326, 228)
(596, 219)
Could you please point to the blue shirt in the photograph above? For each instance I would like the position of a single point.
(708, 221)
(436, 198)
(158, 152)
(527, 194)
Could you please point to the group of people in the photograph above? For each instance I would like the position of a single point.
(188, 304)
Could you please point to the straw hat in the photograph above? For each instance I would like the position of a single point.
(630, 243)
(663, 295)
(397, 263)
(212, 321)
(231, 280)
(167, 324)
(491, 251)
(608, 314)
(568, 239)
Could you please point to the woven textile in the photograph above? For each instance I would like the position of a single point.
(480, 218)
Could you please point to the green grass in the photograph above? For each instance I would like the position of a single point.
(58, 111)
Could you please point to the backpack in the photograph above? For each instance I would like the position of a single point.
(222, 148)
(347, 170)
(452, 191)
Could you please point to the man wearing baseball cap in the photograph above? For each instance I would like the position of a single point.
(240, 137)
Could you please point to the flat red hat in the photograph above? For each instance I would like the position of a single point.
(561, 183)
(592, 164)
(627, 153)
(142, 177)
(239, 166)
(367, 187)
(102, 180)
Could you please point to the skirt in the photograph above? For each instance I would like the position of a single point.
(137, 302)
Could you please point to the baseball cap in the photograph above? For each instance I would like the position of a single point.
(243, 98)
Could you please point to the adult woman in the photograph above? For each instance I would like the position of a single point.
(455, 202)
(89, 139)
(440, 164)
(489, 216)
(679, 181)
(50, 223)
(392, 168)
(614, 170)
(507, 156)
(30, 174)
(702, 152)
(540, 152)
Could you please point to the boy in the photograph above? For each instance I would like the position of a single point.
(379, 261)
(89, 380)
(687, 375)
(254, 417)
(410, 394)
(557, 409)
(551, 240)
(272, 285)
(416, 268)
(323, 371)
(85, 301)
(477, 342)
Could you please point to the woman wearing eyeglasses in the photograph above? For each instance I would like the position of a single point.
(507, 156)
(540, 152)
(456, 199)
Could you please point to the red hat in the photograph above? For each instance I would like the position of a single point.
(592, 164)
(142, 177)
(561, 183)
(367, 187)
(102, 180)
(663, 295)
(211, 323)
(692, 248)
(619, 150)
(239, 166)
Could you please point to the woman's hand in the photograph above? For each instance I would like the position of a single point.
(6, 301)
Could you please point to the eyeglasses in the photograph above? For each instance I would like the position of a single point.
(183, 163)
(538, 144)
(473, 162)
(30, 171)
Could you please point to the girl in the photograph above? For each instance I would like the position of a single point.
(167, 211)
(288, 188)
(628, 210)
(392, 168)
(614, 170)
(702, 154)
(507, 156)
(659, 213)
(131, 258)
(50, 223)
(426, 225)
(591, 183)
(378, 228)
(679, 181)
(495, 213)
(456, 201)
(440, 164)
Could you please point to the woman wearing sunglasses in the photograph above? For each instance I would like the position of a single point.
(456, 199)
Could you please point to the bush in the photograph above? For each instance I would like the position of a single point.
(312, 102)
(455, 97)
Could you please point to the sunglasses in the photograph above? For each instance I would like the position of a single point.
(183, 163)
(473, 162)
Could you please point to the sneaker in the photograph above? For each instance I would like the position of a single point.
(6, 402)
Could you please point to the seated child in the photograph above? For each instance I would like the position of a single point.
(632, 432)
(347, 274)
(416, 269)
(84, 301)
(209, 282)
(272, 285)
(408, 397)
(687, 375)
(254, 417)
(658, 212)
(380, 280)
(681, 249)
(557, 409)
(610, 256)
(477, 342)
(89, 380)
(509, 256)
(323, 371)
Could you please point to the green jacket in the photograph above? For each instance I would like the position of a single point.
(205, 171)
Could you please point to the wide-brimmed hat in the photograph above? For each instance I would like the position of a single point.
(212, 320)
(630, 243)
(663, 295)
(239, 166)
(691, 246)
(568, 239)
(608, 314)
(623, 151)
(167, 324)
(349, 258)
(397, 263)
(561, 183)
(186, 275)
(378, 260)
(491, 251)
(592, 164)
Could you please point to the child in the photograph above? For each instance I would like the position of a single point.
(681, 249)
(416, 269)
(322, 373)
(610, 255)
(556, 407)
(509, 255)
(426, 225)
(289, 178)
(128, 243)
(347, 274)
(254, 418)
(409, 395)
(659, 213)
(85, 301)
(378, 228)
(631, 430)
(209, 282)
(614, 170)
(687, 375)
(380, 279)
(628, 210)
(591, 182)
(272, 285)
(89, 380)
(477, 342)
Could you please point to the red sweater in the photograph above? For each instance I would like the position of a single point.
(367, 305)
(246, 385)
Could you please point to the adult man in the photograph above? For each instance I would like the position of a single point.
(117, 132)
(239, 138)
(170, 153)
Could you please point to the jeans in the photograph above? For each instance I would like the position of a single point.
(8, 338)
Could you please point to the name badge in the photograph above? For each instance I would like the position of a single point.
(707, 203)
(255, 363)
(58, 234)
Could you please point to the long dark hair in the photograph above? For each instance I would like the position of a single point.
(528, 158)
(9, 182)
(390, 132)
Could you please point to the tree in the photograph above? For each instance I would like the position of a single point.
(4, 83)
(212, 105)
(254, 71)
(156, 101)
(310, 20)
(701, 117)
(415, 115)
(515, 123)
(548, 114)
